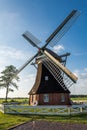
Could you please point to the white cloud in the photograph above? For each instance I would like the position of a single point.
(12, 56)
(58, 48)
(80, 53)
(82, 75)
(25, 85)
(76, 72)
(81, 85)
(85, 69)
(9, 52)
(28, 78)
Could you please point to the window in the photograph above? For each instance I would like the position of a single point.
(46, 98)
(46, 78)
(62, 98)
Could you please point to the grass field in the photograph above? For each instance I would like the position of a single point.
(22, 100)
(26, 100)
(19, 100)
(79, 99)
(7, 121)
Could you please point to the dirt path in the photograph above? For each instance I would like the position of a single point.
(45, 125)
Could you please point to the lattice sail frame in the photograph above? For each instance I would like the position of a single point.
(57, 73)
(51, 40)
(63, 28)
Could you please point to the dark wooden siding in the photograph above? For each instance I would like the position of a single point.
(54, 99)
(50, 86)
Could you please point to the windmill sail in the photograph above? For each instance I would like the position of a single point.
(31, 39)
(63, 68)
(57, 73)
(23, 66)
(54, 38)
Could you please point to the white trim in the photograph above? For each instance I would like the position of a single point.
(46, 98)
(46, 78)
(62, 97)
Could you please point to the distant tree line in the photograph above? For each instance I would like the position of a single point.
(77, 96)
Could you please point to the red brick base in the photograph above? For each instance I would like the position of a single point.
(53, 99)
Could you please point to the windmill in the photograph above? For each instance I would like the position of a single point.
(54, 64)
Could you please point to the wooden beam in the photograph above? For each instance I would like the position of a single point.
(63, 68)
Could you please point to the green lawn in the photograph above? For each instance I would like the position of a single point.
(26, 100)
(79, 98)
(19, 100)
(7, 121)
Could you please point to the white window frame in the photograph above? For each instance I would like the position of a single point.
(46, 98)
(46, 78)
(62, 97)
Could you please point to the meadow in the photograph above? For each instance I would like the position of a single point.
(19, 100)
(77, 98)
(9, 120)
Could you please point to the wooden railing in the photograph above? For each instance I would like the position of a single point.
(43, 110)
(2, 108)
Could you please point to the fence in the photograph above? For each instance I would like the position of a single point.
(2, 108)
(43, 110)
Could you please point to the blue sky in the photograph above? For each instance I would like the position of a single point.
(41, 17)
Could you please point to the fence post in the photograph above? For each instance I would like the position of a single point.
(2, 108)
(81, 109)
(69, 110)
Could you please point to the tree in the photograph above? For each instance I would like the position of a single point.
(5, 79)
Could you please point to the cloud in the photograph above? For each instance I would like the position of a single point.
(81, 85)
(25, 85)
(82, 75)
(85, 69)
(12, 56)
(12, 53)
(29, 78)
(58, 48)
(80, 53)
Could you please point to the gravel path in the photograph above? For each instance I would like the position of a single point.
(45, 125)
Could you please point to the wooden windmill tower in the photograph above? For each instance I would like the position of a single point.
(50, 87)
(53, 78)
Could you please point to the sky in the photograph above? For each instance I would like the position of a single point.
(41, 17)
